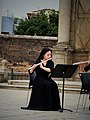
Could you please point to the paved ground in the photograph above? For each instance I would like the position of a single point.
(11, 101)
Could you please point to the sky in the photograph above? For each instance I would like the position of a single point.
(19, 8)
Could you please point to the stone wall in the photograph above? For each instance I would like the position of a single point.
(19, 48)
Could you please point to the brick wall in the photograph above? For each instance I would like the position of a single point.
(18, 48)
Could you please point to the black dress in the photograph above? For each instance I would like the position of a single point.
(45, 94)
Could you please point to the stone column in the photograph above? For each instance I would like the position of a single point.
(62, 51)
(64, 21)
(3, 71)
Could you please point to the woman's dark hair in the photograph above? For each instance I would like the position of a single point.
(43, 52)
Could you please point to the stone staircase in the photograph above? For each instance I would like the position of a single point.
(70, 86)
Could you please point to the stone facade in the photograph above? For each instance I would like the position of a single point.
(80, 29)
(19, 48)
(73, 32)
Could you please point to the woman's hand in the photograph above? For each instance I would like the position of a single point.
(41, 64)
(43, 67)
(89, 62)
(33, 68)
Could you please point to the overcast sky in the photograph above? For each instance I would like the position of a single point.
(19, 8)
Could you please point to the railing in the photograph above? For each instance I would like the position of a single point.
(1, 76)
(9, 75)
(18, 76)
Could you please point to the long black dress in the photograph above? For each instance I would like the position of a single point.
(45, 94)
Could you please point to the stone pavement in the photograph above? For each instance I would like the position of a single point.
(11, 101)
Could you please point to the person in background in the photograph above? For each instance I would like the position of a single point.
(87, 68)
(45, 94)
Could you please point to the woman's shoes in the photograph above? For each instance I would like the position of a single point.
(25, 108)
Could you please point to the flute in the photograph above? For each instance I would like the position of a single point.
(39, 63)
(83, 62)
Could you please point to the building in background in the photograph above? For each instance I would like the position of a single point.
(7, 25)
(34, 13)
(0, 15)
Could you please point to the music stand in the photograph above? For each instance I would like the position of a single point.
(63, 71)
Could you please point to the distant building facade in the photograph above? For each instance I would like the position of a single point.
(0, 15)
(34, 13)
(7, 25)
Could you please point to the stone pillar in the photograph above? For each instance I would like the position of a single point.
(3, 67)
(3, 71)
(64, 21)
(62, 51)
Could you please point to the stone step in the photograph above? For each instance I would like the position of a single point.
(18, 82)
(70, 86)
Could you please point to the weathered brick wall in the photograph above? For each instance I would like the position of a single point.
(17, 48)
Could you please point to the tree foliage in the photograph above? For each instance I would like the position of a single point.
(41, 25)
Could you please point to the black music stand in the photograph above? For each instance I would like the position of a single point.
(63, 71)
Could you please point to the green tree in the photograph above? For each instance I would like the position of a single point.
(53, 23)
(41, 25)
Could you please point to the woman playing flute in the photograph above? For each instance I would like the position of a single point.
(45, 94)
